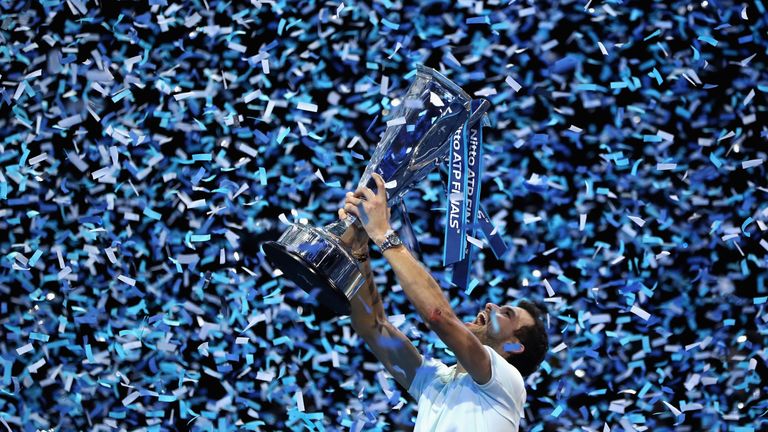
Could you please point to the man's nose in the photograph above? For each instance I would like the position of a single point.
(489, 306)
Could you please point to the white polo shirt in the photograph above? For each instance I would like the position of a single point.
(450, 402)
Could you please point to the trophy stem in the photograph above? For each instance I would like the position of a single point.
(339, 227)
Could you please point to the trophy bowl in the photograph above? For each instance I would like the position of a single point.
(314, 259)
(415, 141)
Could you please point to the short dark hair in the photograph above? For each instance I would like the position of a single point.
(534, 338)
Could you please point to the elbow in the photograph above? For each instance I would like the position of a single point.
(437, 317)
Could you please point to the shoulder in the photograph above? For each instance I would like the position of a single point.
(503, 374)
(430, 371)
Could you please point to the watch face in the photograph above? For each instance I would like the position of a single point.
(394, 240)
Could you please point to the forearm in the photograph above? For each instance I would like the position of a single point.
(419, 286)
(367, 310)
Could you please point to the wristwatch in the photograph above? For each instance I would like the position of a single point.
(390, 240)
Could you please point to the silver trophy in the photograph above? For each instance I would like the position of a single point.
(415, 141)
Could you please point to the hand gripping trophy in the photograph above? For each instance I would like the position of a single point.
(416, 140)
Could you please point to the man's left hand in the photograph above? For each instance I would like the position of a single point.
(355, 238)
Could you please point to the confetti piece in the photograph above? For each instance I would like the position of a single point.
(666, 166)
(126, 151)
(639, 221)
(24, 349)
(749, 97)
(434, 99)
(248, 98)
(674, 410)
(305, 106)
(550, 291)
(514, 84)
(559, 347)
(35, 257)
(602, 48)
(148, 212)
(127, 280)
(640, 312)
(131, 398)
(708, 39)
(396, 122)
(34, 367)
(751, 163)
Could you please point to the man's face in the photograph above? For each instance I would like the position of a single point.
(496, 325)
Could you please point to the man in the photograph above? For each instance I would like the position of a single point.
(484, 391)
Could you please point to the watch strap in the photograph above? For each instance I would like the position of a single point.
(391, 240)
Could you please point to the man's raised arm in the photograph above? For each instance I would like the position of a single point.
(420, 287)
(390, 346)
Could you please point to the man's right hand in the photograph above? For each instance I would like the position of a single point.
(371, 208)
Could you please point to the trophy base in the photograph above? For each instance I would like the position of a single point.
(318, 264)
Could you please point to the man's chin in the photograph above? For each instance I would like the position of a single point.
(474, 328)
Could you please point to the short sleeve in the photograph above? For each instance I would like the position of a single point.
(506, 385)
(428, 371)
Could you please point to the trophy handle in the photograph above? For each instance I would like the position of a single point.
(438, 133)
(419, 161)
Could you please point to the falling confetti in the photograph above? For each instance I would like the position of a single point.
(147, 148)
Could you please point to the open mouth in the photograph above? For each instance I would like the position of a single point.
(481, 319)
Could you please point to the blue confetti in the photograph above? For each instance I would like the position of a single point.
(146, 149)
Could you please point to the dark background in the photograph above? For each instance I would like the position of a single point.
(707, 278)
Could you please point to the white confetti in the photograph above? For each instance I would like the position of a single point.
(36, 365)
(305, 106)
(640, 312)
(70, 121)
(475, 241)
(130, 398)
(514, 84)
(251, 96)
(24, 349)
(339, 9)
(529, 218)
(674, 410)
(384, 87)
(265, 376)
(560, 347)
(396, 122)
(752, 163)
(111, 254)
(126, 279)
(749, 97)
(526, 12)
(37, 159)
(435, 100)
(548, 286)
(639, 221)
(602, 48)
